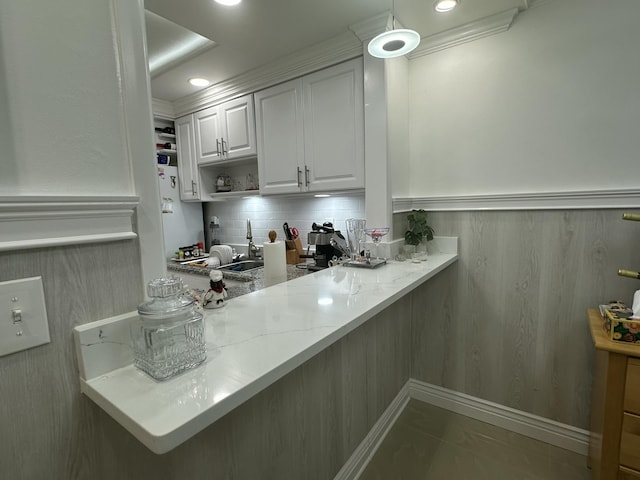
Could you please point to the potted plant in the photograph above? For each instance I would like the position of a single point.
(418, 229)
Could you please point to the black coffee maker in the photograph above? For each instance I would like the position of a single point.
(329, 243)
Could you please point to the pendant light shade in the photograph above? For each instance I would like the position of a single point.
(393, 43)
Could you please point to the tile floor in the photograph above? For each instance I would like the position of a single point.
(430, 443)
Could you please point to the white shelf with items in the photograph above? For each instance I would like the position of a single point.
(229, 179)
(163, 135)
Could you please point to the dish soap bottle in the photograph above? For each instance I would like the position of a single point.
(168, 336)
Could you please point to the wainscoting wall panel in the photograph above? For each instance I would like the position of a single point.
(49, 429)
(508, 323)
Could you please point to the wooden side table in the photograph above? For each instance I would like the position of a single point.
(614, 447)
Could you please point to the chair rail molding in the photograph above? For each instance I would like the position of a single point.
(44, 221)
(588, 199)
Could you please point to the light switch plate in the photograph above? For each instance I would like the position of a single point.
(23, 315)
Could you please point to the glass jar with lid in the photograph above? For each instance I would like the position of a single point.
(168, 336)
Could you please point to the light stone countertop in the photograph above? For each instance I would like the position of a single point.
(252, 342)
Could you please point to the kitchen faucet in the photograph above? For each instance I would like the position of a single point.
(252, 250)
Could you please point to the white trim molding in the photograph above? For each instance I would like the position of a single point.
(532, 426)
(34, 222)
(523, 423)
(592, 199)
(361, 456)
(330, 52)
(498, 23)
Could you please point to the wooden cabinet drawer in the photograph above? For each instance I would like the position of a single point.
(632, 389)
(630, 441)
(628, 474)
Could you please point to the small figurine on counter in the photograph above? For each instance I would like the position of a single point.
(214, 298)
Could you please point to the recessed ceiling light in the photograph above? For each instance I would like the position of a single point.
(199, 82)
(442, 6)
(228, 2)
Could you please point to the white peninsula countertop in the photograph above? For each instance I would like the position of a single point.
(252, 342)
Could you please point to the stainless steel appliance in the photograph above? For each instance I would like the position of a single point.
(330, 245)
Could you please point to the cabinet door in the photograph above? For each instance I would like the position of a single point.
(280, 138)
(208, 133)
(334, 127)
(239, 132)
(188, 176)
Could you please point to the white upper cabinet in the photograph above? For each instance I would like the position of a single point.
(207, 135)
(238, 128)
(280, 138)
(188, 174)
(225, 131)
(310, 132)
(334, 127)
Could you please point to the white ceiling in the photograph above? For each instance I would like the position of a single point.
(257, 32)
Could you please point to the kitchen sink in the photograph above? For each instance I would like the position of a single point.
(242, 266)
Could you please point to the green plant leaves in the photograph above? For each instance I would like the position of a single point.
(418, 228)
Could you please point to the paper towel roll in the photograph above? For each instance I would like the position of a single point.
(275, 263)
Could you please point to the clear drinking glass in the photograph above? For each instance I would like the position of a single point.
(376, 235)
(355, 236)
(168, 336)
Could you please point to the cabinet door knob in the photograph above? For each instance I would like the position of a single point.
(306, 176)
(224, 151)
(299, 181)
(217, 147)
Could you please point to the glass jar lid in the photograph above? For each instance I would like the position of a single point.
(166, 297)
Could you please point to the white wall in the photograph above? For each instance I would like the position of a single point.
(64, 101)
(269, 213)
(552, 105)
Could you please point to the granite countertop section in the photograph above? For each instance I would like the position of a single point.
(243, 282)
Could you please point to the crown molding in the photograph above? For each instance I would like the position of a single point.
(369, 28)
(335, 50)
(591, 199)
(163, 109)
(45, 221)
(468, 32)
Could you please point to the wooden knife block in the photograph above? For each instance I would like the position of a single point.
(293, 251)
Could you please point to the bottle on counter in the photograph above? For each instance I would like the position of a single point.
(168, 336)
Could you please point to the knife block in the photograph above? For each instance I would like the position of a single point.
(293, 251)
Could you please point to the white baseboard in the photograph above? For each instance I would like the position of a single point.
(533, 426)
(356, 464)
(527, 424)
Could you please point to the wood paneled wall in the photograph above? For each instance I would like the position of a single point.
(508, 322)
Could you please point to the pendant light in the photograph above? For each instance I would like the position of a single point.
(393, 43)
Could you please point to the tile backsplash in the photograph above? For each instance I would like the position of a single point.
(268, 213)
